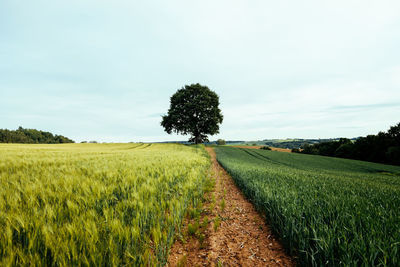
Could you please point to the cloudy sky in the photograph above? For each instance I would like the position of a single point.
(104, 70)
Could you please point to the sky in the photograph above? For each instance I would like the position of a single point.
(105, 70)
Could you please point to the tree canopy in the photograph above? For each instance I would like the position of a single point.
(383, 147)
(194, 110)
(31, 136)
(221, 142)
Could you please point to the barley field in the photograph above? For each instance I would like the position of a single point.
(95, 204)
(327, 211)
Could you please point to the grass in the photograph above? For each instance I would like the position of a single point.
(327, 211)
(217, 222)
(96, 204)
(222, 204)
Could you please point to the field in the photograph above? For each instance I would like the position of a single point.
(327, 211)
(95, 204)
(272, 148)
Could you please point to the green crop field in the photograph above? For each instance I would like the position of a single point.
(95, 204)
(327, 211)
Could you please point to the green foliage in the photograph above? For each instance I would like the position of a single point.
(393, 154)
(265, 148)
(194, 110)
(201, 237)
(205, 222)
(382, 148)
(97, 204)
(194, 213)
(327, 211)
(221, 142)
(222, 204)
(192, 229)
(213, 202)
(217, 222)
(31, 136)
(209, 185)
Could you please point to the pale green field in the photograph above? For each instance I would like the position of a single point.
(95, 204)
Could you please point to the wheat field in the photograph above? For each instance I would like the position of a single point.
(95, 204)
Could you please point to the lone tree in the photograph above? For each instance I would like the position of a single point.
(221, 142)
(194, 110)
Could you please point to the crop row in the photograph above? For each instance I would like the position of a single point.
(327, 211)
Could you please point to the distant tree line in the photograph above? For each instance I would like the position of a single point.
(298, 143)
(206, 143)
(382, 148)
(31, 136)
(288, 144)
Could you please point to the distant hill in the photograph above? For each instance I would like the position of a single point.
(279, 143)
(206, 143)
(298, 143)
(284, 143)
(31, 136)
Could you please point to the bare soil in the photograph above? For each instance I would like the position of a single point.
(242, 238)
(281, 149)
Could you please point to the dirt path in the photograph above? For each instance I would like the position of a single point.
(241, 239)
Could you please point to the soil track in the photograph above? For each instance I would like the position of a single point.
(242, 238)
